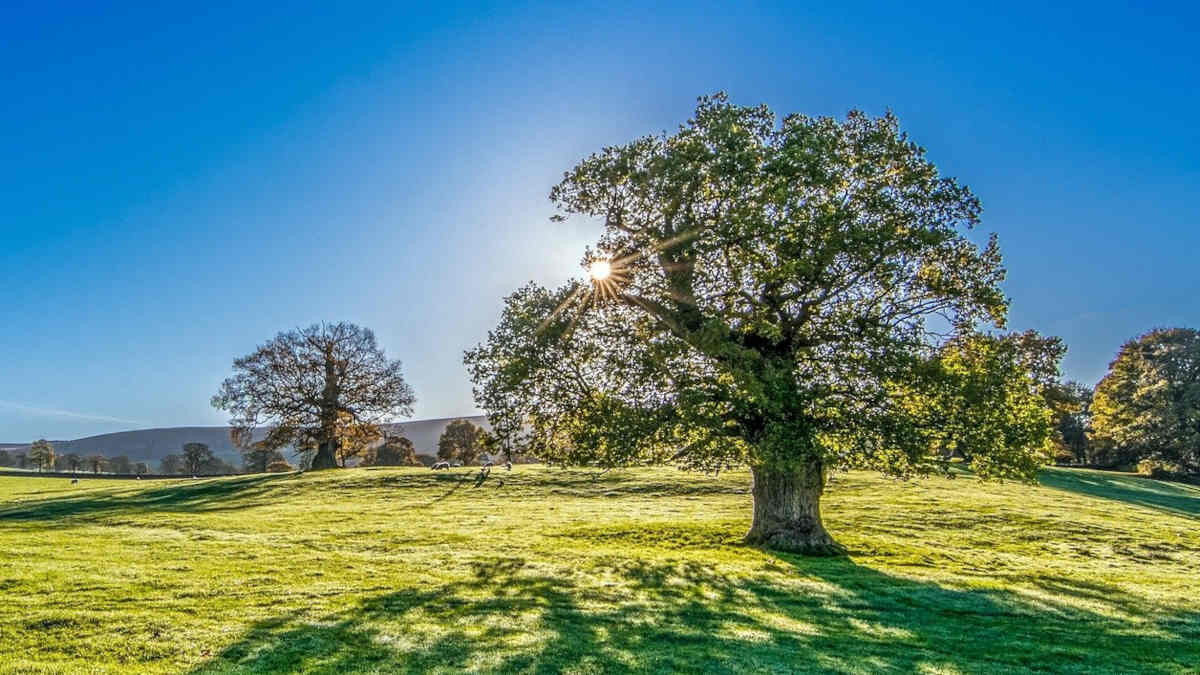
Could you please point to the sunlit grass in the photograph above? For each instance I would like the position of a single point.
(546, 570)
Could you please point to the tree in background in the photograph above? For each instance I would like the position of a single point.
(141, 468)
(1148, 405)
(20, 460)
(462, 441)
(6, 458)
(120, 464)
(257, 458)
(1072, 403)
(41, 453)
(986, 400)
(394, 451)
(767, 294)
(197, 457)
(96, 462)
(304, 383)
(171, 465)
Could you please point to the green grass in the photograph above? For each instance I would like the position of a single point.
(546, 570)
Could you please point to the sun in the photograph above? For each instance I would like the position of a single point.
(600, 270)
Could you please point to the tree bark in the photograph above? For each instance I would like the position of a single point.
(326, 457)
(787, 510)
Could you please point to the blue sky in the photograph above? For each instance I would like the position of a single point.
(180, 184)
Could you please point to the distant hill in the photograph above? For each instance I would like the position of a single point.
(151, 445)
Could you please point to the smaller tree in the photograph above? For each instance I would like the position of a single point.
(41, 453)
(989, 401)
(74, 461)
(97, 462)
(6, 458)
(394, 451)
(141, 469)
(304, 383)
(171, 465)
(462, 440)
(197, 457)
(20, 460)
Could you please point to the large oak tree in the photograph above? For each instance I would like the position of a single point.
(311, 387)
(764, 293)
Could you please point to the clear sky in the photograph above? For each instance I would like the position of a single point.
(179, 184)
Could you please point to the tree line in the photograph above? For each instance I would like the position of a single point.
(462, 441)
(194, 459)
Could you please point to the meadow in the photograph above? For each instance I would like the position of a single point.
(546, 570)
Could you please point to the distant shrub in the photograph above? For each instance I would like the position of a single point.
(279, 466)
(427, 460)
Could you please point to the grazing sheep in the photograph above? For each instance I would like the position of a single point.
(440, 465)
(74, 481)
(508, 466)
(488, 463)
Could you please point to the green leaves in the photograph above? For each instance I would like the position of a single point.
(781, 293)
(1148, 405)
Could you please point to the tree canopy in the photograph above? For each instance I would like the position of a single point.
(773, 293)
(1148, 405)
(198, 458)
(462, 440)
(309, 386)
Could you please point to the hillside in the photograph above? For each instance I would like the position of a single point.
(548, 570)
(151, 445)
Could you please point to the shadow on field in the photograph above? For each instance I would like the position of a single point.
(685, 616)
(1176, 498)
(209, 495)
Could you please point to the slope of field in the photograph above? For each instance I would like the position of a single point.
(151, 445)
(547, 570)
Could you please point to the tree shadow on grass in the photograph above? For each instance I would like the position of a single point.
(798, 615)
(1176, 498)
(209, 495)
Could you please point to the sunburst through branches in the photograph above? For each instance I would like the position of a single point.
(607, 276)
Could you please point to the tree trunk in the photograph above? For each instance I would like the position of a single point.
(326, 457)
(787, 510)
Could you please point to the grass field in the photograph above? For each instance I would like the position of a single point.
(546, 570)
